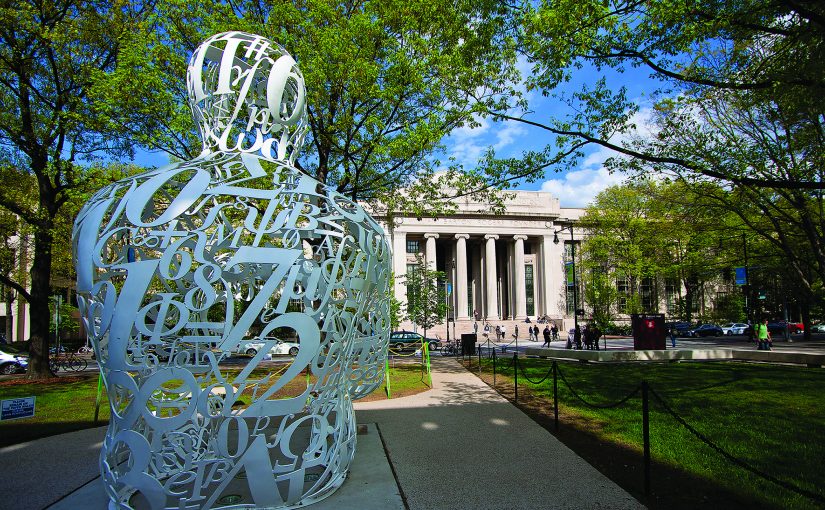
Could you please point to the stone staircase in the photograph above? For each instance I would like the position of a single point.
(466, 326)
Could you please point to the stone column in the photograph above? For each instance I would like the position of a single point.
(521, 291)
(553, 277)
(491, 277)
(430, 253)
(399, 264)
(461, 275)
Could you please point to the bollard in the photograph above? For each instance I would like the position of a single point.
(479, 361)
(646, 436)
(556, 395)
(515, 372)
(494, 368)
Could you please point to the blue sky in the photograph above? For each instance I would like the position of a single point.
(575, 187)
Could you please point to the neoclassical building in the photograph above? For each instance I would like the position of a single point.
(499, 267)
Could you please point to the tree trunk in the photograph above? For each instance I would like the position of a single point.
(39, 304)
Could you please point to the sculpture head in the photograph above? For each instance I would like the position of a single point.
(247, 93)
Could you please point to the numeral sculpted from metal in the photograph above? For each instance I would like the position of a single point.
(178, 267)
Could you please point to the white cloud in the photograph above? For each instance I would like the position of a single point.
(509, 133)
(579, 187)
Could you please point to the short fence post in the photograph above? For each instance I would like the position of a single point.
(556, 394)
(479, 360)
(646, 436)
(494, 368)
(515, 371)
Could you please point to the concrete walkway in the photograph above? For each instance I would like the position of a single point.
(463, 446)
(458, 446)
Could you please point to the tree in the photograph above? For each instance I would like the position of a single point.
(386, 82)
(649, 230)
(426, 296)
(51, 54)
(737, 95)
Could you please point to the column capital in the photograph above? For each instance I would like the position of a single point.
(431, 236)
(462, 236)
(520, 237)
(490, 236)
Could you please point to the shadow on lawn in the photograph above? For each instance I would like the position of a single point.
(671, 487)
(15, 433)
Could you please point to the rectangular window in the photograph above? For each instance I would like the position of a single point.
(528, 287)
(647, 291)
(622, 294)
(672, 295)
(412, 245)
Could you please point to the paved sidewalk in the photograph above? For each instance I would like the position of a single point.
(463, 446)
(458, 446)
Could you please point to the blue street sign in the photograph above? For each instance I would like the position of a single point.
(741, 276)
(449, 288)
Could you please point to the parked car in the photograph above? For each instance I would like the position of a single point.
(281, 348)
(778, 327)
(401, 340)
(682, 328)
(705, 330)
(735, 328)
(12, 360)
(819, 328)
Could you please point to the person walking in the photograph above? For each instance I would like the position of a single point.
(475, 328)
(536, 333)
(577, 337)
(673, 337)
(546, 336)
(554, 330)
(763, 336)
(588, 337)
(515, 331)
(597, 335)
(503, 333)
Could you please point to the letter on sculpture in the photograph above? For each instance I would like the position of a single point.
(178, 268)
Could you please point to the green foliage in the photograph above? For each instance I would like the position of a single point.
(426, 296)
(65, 317)
(386, 82)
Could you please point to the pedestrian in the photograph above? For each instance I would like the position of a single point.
(536, 333)
(555, 331)
(475, 315)
(673, 337)
(515, 331)
(546, 336)
(475, 328)
(571, 336)
(597, 335)
(498, 333)
(763, 336)
(588, 337)
(503, 333)
(577, 337)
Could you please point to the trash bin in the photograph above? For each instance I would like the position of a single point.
(468, 344)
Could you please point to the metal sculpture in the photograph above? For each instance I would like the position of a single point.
(177, 267)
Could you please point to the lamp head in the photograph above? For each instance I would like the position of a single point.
(555, 238)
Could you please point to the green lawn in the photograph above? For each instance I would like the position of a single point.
(67, 403)
(771, 417)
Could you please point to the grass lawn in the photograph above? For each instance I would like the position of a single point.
(67, 403)
(769, 416)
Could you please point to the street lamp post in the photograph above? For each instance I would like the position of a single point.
(575, 282)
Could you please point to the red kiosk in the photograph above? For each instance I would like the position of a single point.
(649, 331)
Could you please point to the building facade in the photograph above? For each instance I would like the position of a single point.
(498, 267)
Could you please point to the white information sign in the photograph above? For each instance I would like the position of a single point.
(16, 408)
